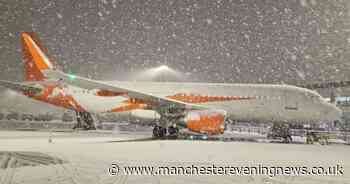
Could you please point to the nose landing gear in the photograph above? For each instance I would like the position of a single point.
(280, 130)
(160, 132)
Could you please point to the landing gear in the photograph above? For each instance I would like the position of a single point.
(166, 127)
(84, 121)
(171, 132)
(280, 130)
(159, 132)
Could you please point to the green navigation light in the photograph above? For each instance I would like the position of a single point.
(72, 77)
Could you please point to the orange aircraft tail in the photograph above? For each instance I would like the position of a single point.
(35, 57)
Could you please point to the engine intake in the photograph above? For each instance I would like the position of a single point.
(206, 121)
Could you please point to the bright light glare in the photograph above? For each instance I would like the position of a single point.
(72, 77)
(162, 72)
(163, 67)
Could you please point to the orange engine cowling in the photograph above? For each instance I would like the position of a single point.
(206, 121)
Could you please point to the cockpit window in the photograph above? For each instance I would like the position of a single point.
(313, 96)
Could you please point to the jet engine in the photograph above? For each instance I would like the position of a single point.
(206, 121)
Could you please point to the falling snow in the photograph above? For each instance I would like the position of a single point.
(216, 41)
(60, 16)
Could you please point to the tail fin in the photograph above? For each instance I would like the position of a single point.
(35, 58)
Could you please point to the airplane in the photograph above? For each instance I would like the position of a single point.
(200, 107)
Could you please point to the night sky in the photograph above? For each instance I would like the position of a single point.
(254, 41)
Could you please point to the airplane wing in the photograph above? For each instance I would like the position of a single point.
(20, 87)
(154, 101)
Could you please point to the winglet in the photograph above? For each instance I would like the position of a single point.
(35, 58)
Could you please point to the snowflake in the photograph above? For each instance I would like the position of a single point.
(209, 21)
(60, 16)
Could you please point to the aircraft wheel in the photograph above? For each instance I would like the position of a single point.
(173, 132)
(155, 131)
(159, 132)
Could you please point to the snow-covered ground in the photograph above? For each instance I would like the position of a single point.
(89, 154)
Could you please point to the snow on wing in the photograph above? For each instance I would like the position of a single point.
(153, 100)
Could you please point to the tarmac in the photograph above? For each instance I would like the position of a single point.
(85, 157)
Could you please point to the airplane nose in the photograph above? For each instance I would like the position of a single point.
(332, 112)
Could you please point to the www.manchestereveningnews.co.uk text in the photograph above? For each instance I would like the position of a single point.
(259, 169)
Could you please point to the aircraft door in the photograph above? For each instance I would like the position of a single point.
(290, 101)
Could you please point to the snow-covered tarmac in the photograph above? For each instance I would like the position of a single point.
(89, 155)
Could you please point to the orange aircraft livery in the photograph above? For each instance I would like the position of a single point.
(201, 107)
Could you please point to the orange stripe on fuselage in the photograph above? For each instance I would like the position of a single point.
(204, 99)
(131, 104)
(107, 93)
(128, 107)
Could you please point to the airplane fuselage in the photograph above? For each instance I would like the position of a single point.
(242, 102)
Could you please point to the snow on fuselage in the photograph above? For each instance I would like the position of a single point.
(255, 102)
(265, 102)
